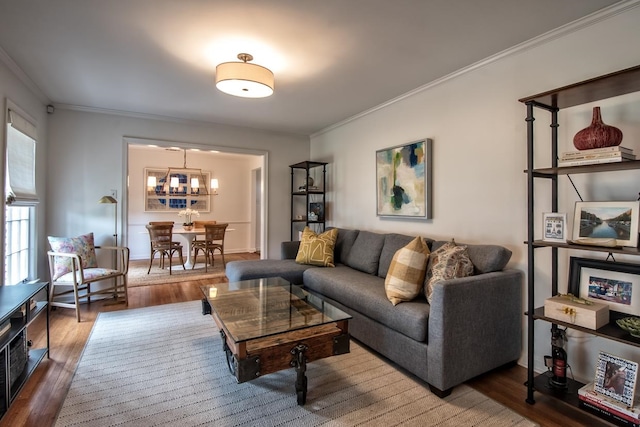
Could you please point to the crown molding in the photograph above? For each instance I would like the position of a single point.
(547, 37)
(22, 76)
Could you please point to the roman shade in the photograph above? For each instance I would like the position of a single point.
(21, 156)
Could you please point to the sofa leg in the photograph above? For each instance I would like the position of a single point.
(440, 393)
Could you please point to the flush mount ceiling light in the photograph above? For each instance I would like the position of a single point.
(244, 79)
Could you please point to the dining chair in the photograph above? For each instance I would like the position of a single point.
(73, 268)
(161, 242)
(199, 225)
(213, 239)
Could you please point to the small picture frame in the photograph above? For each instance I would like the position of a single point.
(554, 227)
(616, 378)
(607, 220)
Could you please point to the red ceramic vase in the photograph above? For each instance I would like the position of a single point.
(598, 134)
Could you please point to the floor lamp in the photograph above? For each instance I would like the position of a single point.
(114, 202)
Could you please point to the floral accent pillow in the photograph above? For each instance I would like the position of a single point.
(447, 262)
(82, 245)
(317, 249)
(405, 277)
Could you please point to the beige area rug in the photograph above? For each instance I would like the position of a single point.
(138, 271)
(164, 366)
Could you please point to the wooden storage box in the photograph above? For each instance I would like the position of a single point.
(592, 316)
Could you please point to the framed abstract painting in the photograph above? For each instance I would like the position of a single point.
(403, 180)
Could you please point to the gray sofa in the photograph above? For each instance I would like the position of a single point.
(472, 325)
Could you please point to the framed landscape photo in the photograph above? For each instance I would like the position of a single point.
(614, 283)
(403, 180)
(616, 378)
(607, 220)
(554, 226)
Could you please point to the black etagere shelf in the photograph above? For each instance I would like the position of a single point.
(607, 86)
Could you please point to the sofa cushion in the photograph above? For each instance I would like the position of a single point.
(83, 246)
(317, 249)
(288, 269)
(364, 293)
(447, 262)
(485, 258)
(392, 242)
(344, 243)
(365, 252)
(405, 278)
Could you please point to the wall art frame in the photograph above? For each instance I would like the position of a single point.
(616, 284)
(554, 227)
(616, 378)
(602, 220)
(162, 198)
(404, 180)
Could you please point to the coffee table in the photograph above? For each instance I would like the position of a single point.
(269, 324)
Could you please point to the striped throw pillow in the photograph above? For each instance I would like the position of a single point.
(407, 270)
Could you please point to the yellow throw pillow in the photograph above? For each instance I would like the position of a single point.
(317, 249)
(405, 277)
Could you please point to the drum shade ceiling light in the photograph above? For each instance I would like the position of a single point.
(244, 79)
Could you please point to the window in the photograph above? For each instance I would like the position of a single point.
(20, 198)
(17, 244)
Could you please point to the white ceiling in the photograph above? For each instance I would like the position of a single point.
(332, 59)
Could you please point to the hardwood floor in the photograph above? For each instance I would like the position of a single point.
(42, 396)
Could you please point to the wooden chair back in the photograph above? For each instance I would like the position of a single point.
(160, 235)
(215, 232)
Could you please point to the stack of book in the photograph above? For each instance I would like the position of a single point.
(596, 155)
(608, 408)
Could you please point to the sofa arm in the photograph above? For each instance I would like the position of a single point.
(289, 250)
(475, 325)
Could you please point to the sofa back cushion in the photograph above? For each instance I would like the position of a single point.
(344, 243)
(485, 258)
(392, 243)
(364, 255)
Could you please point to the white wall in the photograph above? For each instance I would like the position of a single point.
(86, 161)
(232, 205)
(479, 134)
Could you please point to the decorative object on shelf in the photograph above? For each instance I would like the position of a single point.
(188, 214)
(598, 134)
(318, 209)
(559, 360)
(243, 79)
(554, 226)
(403, 180)
(616, 378)
(577, 311)
(616, 284)
(607, 220)
(631, 325)
(590, 241)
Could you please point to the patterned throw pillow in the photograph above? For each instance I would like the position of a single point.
(317, 249)
(407, 270)
(81, 245)
(447, 262)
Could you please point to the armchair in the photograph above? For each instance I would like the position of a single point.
(73, 269)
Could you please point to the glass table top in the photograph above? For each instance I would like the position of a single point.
(259, 308)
